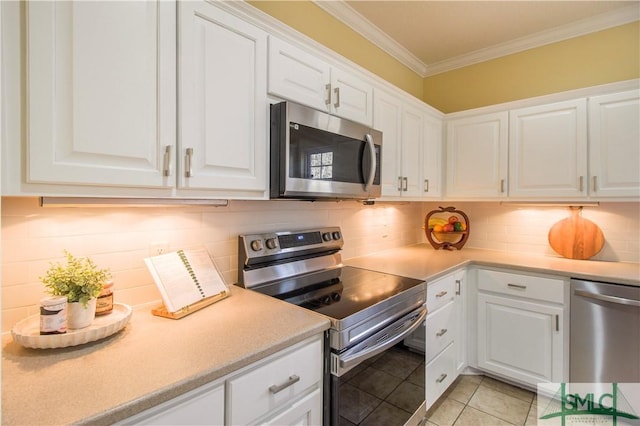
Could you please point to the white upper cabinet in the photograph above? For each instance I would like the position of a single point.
(101, 92)
(411, 148)
(548, 150)
(477, 156)
(223, 115)
(614, 145)
(432, 157)
(388, 119)
(302, 77)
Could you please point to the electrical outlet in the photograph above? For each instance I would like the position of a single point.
(157, 248)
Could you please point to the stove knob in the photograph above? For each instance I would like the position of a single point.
(336, 296)
(326, 236)
(336, 235)
(271, 243)
(326, 300)
(256, 245)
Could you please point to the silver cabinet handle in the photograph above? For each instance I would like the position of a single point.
(337, 102)
(166, 166)
(457, 287)
(442, 293)
(520, 286)
(374, 161)
(405, 185)
(581, 183)
(441, 332)
(327, 96)
(277, 388)
(502, 185)
(441, 378)
(605, 298)
(399, 183)
(557, 322)
(187, 163)
(594, 187)
(426, 185)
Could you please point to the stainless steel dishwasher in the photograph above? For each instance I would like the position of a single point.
(605, 333)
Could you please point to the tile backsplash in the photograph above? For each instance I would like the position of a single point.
(119, 238)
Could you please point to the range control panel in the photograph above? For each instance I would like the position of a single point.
(255, 248)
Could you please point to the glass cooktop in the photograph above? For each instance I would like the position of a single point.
(354, 291)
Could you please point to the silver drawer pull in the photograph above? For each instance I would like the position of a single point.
(441, 332)
(442, 293)
(441, 378)
(277, 388)
(520, 286)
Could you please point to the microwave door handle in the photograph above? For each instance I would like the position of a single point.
(374, 163)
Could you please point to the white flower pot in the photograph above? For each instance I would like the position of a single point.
(79, 316)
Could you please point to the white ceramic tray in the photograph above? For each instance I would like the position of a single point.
(27, 331)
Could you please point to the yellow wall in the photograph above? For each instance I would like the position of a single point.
(315, 23)
(598, 58)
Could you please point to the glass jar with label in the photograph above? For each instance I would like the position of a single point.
(53, 315)
(104, 304)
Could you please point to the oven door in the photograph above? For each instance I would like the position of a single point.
(377, 343)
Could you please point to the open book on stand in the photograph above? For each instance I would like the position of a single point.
(188, 280)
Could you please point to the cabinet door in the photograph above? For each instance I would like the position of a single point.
(614, 145)
(477, 156)
(432, 157)
(201, 406)
(388, 119)
(101, 92)
(520, 340)
(412, 152)
(351, 97)
(298, 75)
(460, 318)
(548, 150)
(223, 101)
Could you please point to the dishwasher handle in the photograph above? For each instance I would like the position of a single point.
(605, 298)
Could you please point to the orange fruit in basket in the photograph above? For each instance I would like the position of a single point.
(437, 228)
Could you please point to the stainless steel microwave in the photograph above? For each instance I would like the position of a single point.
(315, 155)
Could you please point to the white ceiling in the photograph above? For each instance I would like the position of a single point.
(431, 36)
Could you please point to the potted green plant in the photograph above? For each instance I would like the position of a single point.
(81, 281)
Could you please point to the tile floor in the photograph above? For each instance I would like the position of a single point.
(483, 401)
(387, 389)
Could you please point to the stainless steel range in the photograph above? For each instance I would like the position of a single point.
(369, 311)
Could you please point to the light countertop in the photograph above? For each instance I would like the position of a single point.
(421, 261)
(155, 359)
(152, 360)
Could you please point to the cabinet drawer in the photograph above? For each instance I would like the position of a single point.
(440, 330)
(441, 372)
(530, 286)
(440, 292)
(255, 393)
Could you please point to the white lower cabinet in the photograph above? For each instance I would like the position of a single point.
(282, 389)
(444, 339)
(521, 332)
(201, 406)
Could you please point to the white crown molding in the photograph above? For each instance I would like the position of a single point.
(340, 10)
(345, 13)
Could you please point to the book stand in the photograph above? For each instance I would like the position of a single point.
(161, 311)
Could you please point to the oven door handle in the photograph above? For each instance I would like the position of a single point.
(383, 339)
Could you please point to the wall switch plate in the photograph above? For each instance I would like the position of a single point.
(158, 248)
